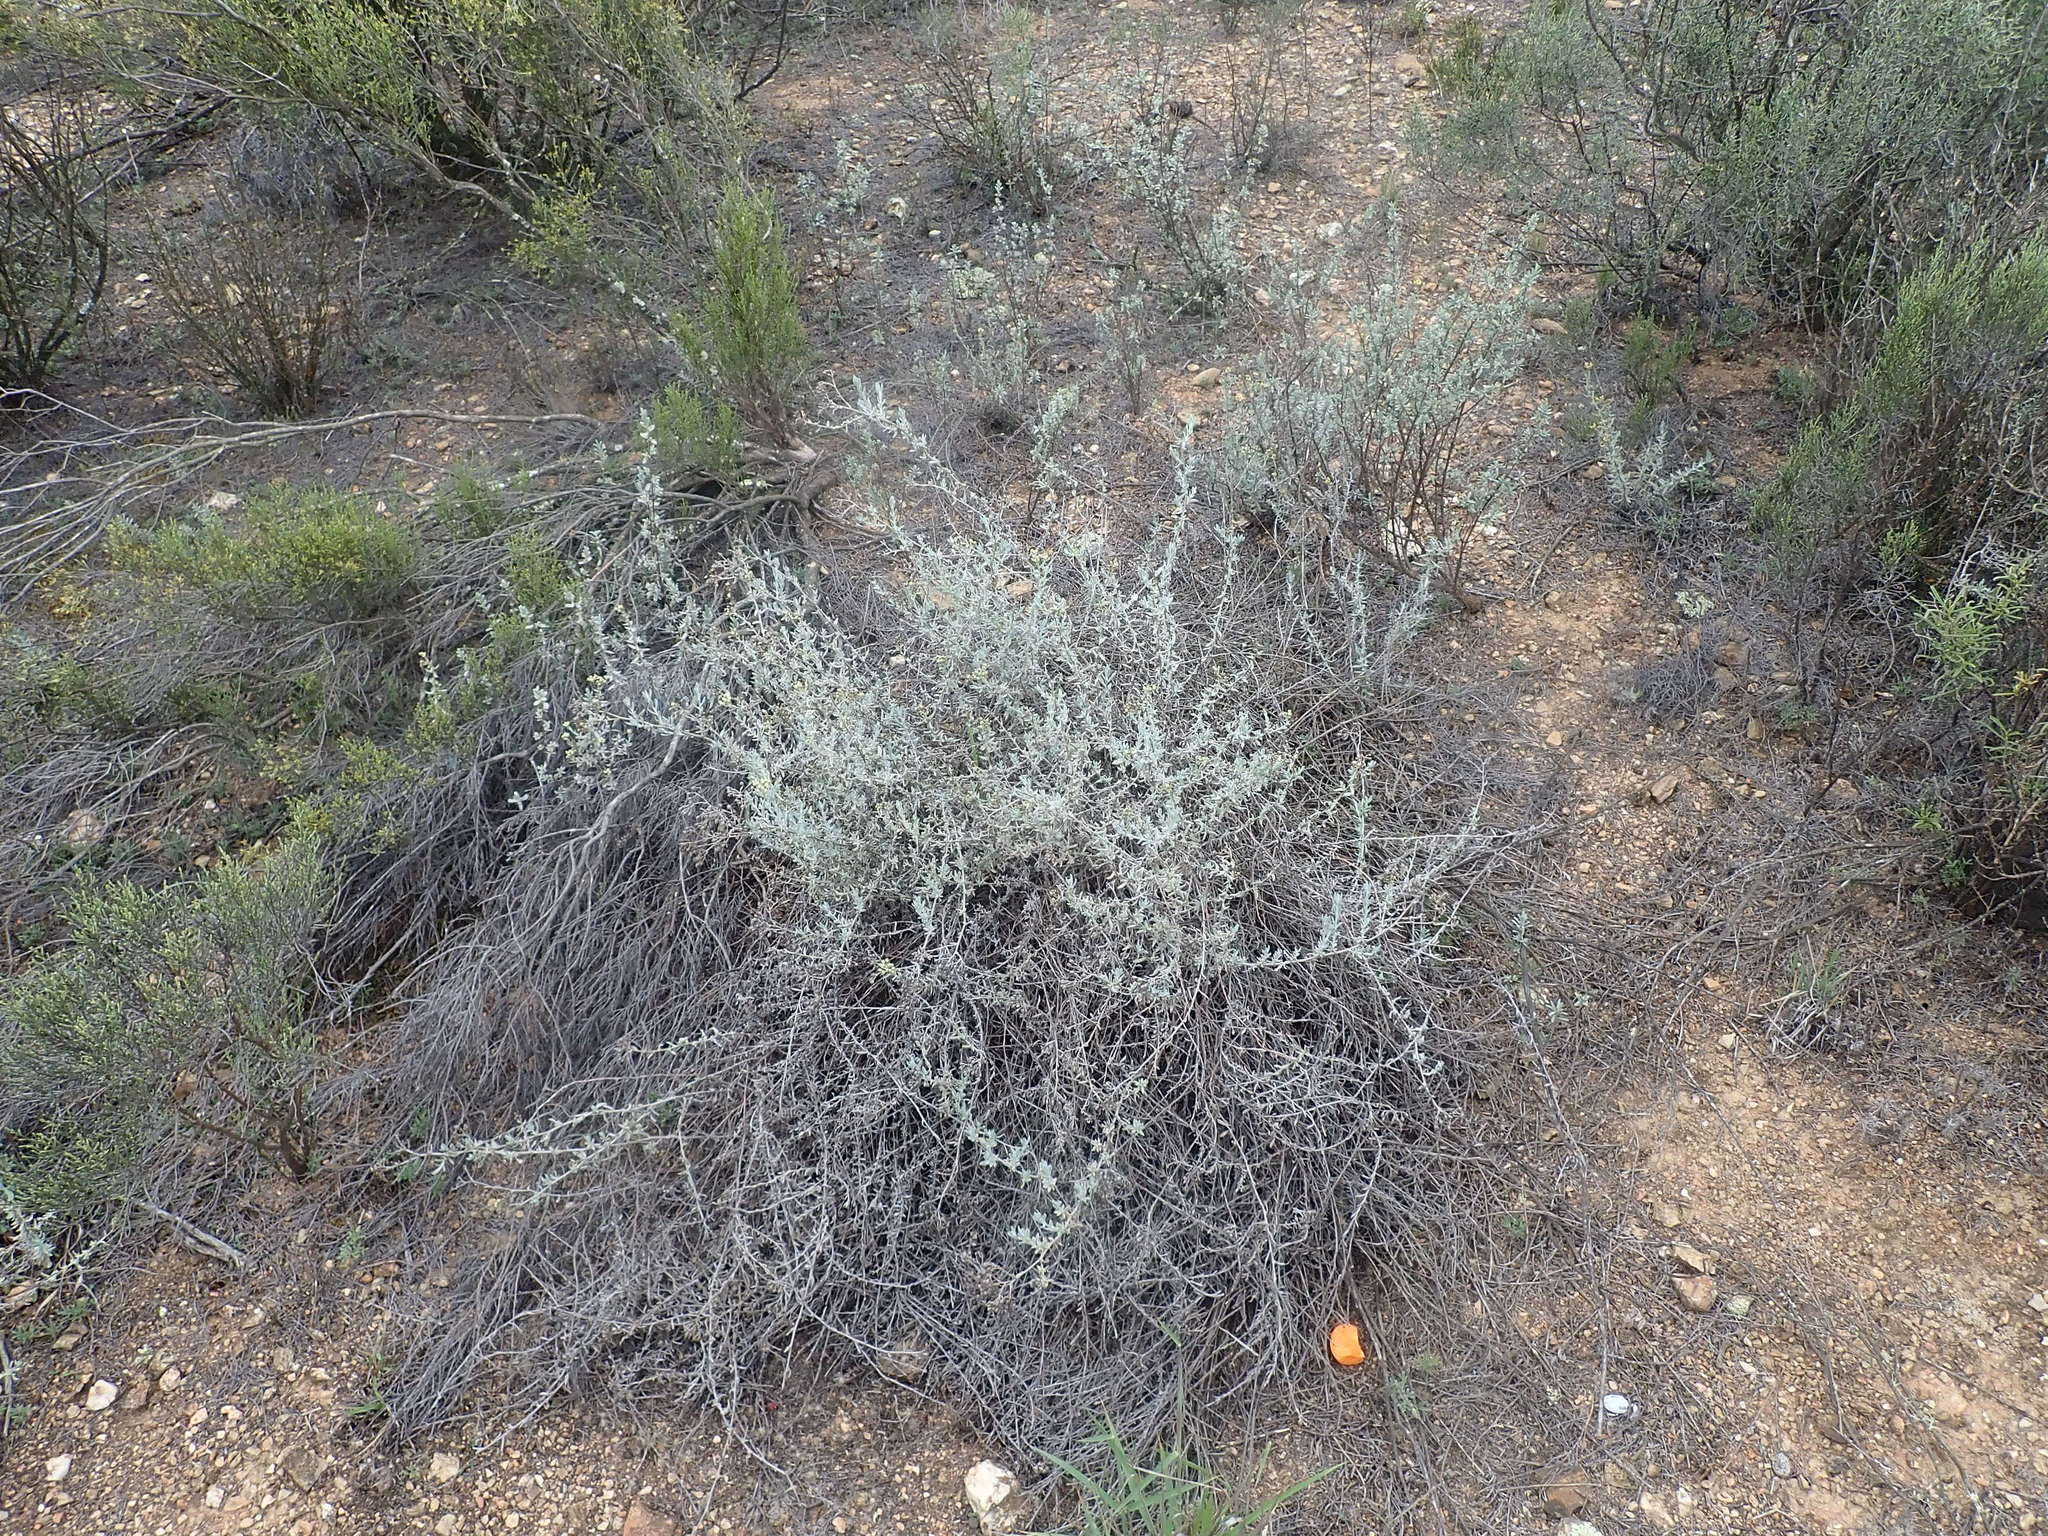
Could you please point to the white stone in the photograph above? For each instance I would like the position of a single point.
(100, 1396)
(57, 1468)
(990, 1489)
(443, 1468)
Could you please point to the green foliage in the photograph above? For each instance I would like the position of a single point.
(1646, 488)
(2008, 841)
(746, 342)
(593, 126)
(537, 579)
(288, 611)
(1802, 151)
(560, 245)
(1937, 446)
(1795, 386)
(1985, 636)
(1966, 623)
(164, 1015)
(1650, 359)
(498, 90)
(1818, 1008)
(468, 506)
(64, 1169)
(292, 551)
(1928, 481)
(1168, 1493)
(1408, 1388)
(1232, 13)
(44, 689)
(692, 440)
(1461, 58)
(352, 808)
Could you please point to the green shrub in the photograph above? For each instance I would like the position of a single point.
(1646, 489)
(2007, 840)
(44, 689)
(1795, 386)
(746, 344)
(1984, 634)
(1232, 13)
(1926, 487)
(164, 1016)
(561, 245)
(291, 551)
(351, 809)
(1937, 447)
(289, 611)
(1966, 623)
(1460, 61)
(1650, 360)
(468, 506)
(1686, 143)
(498, 91)
(692, 441)
(537, 579)
(1170, 1493)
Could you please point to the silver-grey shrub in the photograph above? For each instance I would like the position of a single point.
(1039, 966)
(1358, 442)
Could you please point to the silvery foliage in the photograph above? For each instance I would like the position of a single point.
(1154, 164)
(1056, 708)
(1044, 959)
(1647, 483)
(997, 307)
(1354, 443)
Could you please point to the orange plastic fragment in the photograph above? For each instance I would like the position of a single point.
(1347, 1345)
